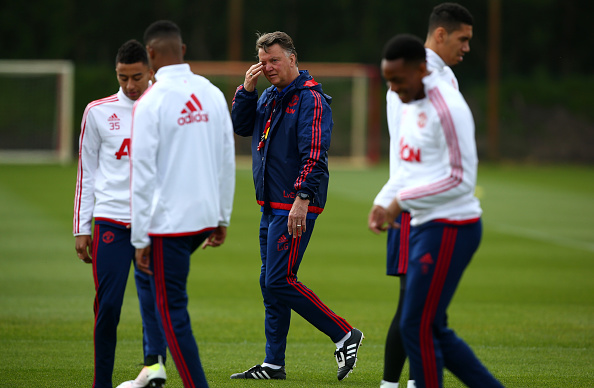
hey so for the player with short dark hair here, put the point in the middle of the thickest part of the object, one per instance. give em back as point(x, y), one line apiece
point(449, 16)
point(435, 182)
point(182, 184)
point(447, 41)
point(103, 193)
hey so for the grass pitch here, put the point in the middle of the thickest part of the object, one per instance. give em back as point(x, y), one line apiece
point(525, 304)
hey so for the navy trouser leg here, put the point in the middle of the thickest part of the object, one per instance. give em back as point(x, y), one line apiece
point(153, 339)
point(171, 265)
point(281, 257)
point(112, 253)
point(438, 257)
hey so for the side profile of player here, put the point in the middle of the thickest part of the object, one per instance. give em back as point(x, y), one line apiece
point(437, 178)
point(103, 193)
point(448, 40)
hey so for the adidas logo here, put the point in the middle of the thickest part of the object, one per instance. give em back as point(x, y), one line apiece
point(282, 243)
point(426, 259)
point(113, 117)
point(261, 375)
point(351, 351)
point(192, 112)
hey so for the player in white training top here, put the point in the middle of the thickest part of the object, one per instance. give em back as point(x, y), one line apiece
point(448, 36)
point(436, 178)
point(183, 181)
point(103, 193)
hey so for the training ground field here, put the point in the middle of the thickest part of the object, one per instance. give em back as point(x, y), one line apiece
point(525, 304)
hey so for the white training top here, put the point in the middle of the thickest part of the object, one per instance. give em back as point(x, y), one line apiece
point(435, 65)
point(436, 176)
point(103, 178)
point(183, 157)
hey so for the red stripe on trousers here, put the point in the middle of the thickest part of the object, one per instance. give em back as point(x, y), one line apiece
point(161, 291)
point(96, 302)
point(426, 333)
point(404, 237)
point(309, 294)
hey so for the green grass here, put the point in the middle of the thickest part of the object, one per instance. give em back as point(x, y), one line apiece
point(525, 304)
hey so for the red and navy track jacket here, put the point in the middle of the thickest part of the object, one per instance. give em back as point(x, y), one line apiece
point(294, 157)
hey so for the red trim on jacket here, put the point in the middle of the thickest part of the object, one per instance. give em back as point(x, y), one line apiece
point(457, 222)
point(316, 140)
point(79, 175)
point(288, 206)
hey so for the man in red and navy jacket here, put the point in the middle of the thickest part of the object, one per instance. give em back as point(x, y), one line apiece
point(290, 125)
point(292, 157)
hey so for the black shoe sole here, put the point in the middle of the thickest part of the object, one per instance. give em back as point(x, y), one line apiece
point(156, 383)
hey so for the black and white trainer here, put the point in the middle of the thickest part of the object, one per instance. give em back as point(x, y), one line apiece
point(346, 357)
point(260, 372)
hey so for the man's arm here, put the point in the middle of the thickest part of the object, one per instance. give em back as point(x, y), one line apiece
point(226, 164)
point(143, 166)
point(84, 198)
point(313, 140)
point(313, 137)
point(244, 111)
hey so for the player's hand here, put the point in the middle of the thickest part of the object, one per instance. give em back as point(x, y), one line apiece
point(296, 223)
point(83, 245)
point(251, 77)
point(380, 220)
point(394, 211)
point(143, 260)
point(217, 237)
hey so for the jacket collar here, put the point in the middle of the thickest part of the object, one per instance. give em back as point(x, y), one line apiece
point(172, 71)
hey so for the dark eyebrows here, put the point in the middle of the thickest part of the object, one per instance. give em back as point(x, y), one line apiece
point(133, 75)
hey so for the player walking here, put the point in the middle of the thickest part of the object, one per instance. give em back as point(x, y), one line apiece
point(183, 181)
point(448, 37)
point(290, 125)
point(436, 177)
point(103, 192)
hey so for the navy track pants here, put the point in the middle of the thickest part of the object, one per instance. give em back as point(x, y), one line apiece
point(439, 254)
point(170, 263)
point(112, 256)
point(281, 256)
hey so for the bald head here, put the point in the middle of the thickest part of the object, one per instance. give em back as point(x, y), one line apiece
point(164, 44)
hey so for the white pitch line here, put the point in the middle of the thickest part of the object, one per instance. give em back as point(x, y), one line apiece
point(542, 236)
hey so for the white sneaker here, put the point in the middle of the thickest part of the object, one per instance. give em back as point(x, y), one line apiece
point(152, 376)
point(411, 384)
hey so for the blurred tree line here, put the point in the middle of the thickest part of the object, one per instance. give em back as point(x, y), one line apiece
point(546, 57)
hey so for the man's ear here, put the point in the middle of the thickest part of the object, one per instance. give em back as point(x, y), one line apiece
point(440, 34)
point(183, 48)
point(150, 52)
